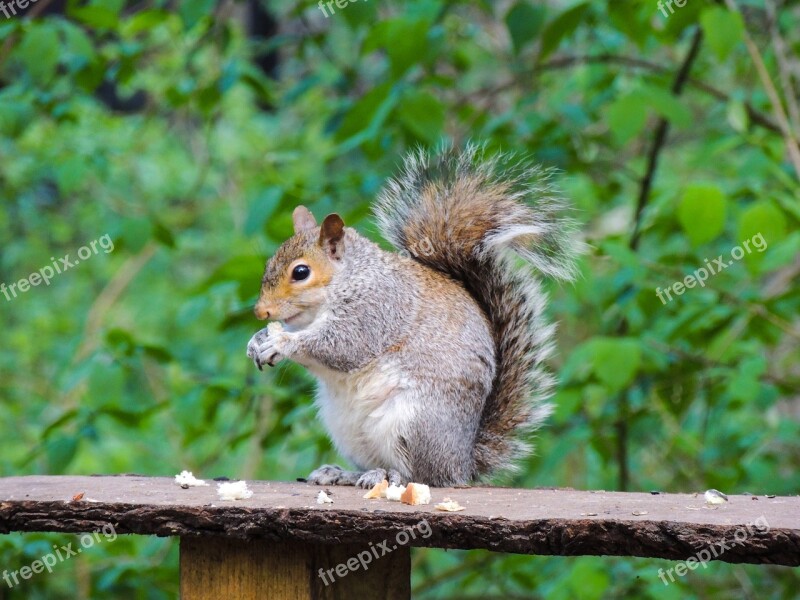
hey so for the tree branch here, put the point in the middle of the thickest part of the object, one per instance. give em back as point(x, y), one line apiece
point(792, 146)
point(560, 62)
point(661, 137)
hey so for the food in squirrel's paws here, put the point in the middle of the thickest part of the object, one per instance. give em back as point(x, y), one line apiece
point(378, 490)
point(416, 493)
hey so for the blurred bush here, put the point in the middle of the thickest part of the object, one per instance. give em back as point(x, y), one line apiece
point(188, 130)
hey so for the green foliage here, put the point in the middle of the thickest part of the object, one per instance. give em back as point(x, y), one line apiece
point(702, 212)
point(723, 30)
point(133, 361)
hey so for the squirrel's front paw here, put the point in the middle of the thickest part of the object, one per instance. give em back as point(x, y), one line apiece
point(265, 346)
point(369, 479)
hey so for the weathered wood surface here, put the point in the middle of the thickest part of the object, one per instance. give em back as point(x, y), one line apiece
point(551, 522)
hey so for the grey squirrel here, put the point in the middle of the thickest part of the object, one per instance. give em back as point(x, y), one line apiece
point(430, 361)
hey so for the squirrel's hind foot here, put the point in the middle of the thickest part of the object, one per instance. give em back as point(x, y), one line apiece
point(333, 475)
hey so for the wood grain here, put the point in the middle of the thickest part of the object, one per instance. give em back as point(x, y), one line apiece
point(215, 568)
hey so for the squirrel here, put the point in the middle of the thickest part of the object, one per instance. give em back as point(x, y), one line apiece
point(429, 361)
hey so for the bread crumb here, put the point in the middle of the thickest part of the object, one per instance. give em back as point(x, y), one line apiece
point(234, 490)
point(377, 491)
point(185, 479)
point(323, 498)
point(394, 492)
point(416, 493)
point(448, 505)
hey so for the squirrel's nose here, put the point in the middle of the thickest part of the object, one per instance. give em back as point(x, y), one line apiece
point(262, 312)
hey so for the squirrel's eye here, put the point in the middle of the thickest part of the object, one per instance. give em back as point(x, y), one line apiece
point(300, 272)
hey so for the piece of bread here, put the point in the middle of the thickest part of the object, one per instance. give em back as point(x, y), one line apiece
point(395, 492)
point(416, 493)
point(377, 491)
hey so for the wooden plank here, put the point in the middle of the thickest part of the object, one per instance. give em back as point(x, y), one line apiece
point(751, 529)
point(214, 568)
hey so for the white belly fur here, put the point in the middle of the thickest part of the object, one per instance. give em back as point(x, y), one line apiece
point(366, 413)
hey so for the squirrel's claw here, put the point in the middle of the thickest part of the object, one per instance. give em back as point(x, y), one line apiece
point(261, 349)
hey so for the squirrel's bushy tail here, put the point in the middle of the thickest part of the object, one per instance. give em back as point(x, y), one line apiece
point(461, 213)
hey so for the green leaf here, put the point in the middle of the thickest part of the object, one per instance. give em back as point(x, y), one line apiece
point(246, 270)
point(423, 115)
point(737, 116)
point(369, 111)
point(405, 42)
point(135, 233)
point(96, 17)
point(144, 20)
point(762, 218)
point(567, 403)
point(524, 22)
point(666, 104)
point(60, 452)
point(626, 117)
point(722, 29)
point(615, 361)
point(701, 212)
point(77, 50)
point(39, 51)
point(71, 174)
point(261, 208)
point(193, 11)
point(745, 384)
point(561, 27)
point(589, 579)
point(162, 233)
point(360, 13)
point(781, 255)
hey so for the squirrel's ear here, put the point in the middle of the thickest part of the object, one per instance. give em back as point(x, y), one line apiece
point(303, 219)
point(331, 236)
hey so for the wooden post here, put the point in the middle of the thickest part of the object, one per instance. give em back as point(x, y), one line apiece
point(216, 568)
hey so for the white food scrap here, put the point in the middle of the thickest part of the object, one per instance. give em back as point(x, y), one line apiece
point(394, 492)
point(323, 498)
point(186, 479)
point(234, 490)
point(448, 505)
